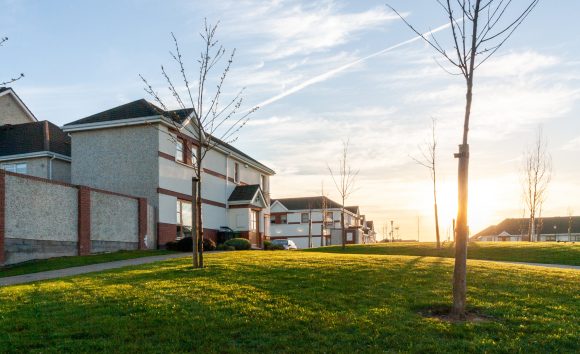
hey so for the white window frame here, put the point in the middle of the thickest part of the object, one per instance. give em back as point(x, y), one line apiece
point(180, 150)
point(302, 218)
point(18, 167)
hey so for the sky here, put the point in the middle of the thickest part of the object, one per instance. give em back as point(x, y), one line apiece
point(303, 59)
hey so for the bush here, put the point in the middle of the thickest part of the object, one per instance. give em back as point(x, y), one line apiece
point(223, 247)
point(272, 247)
point(230, 248)
point(239, 243)
point(208, 245)
point(186, 245)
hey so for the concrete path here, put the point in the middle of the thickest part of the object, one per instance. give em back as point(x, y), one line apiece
point(559, 266)
point(59, 273)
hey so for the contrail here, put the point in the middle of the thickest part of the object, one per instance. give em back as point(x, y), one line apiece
point(331, 73)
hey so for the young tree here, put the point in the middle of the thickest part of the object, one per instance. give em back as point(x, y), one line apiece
point(323, 208)
point(310, 225)
point(537, 172)
point(210, 121)
point(428, 159)
point(9, 81)
point(344, 179)
point(479, 28)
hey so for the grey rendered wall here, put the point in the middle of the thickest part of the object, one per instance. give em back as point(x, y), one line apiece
point(61, 170)
point(41, 219)
point(114, 223)
point(122, 160)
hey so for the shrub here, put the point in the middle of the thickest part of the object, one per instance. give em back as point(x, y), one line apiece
point(230, 248)
point(267, 245)
point(186, 245)
point(171, 246)
point(208, 245)
point(239, 243)
point(276, 247)
point(272, 246)
point(221, 247)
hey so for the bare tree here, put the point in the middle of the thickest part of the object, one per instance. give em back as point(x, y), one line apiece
point(8, 82)
point(428, 159)
point(323, 209)
point(309, 224)
point(344, 179)
point(479, 28)
point(209, 120)
point(570, 215)
point(537, 172)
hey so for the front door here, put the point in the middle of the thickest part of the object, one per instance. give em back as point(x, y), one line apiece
point(255, 228)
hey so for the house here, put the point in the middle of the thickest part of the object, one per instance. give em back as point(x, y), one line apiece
point(292, 218)
point(28, 146)
point(558, 228)
point(369, 233)
point(140, 149)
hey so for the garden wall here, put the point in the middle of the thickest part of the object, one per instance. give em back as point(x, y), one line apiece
point(41, 218)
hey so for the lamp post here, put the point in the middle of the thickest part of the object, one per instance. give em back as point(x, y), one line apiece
point(555, 238)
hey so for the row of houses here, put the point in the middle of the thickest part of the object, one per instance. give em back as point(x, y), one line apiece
point(556, 228)
point(137, 150)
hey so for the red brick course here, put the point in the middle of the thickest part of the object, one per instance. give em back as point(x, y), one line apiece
point(84, 219)
point(165, 233)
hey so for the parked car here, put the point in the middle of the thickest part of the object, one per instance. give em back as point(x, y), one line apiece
point(287, 244)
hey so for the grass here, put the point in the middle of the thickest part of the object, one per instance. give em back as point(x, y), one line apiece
point(73, 261)
point(540, 252)
point(263, 301)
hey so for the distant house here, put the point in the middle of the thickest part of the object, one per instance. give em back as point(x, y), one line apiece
point(28, 146)
point(290, 219)
point(138, 149)
point(558, 228)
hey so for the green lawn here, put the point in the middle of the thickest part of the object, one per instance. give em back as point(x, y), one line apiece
point(73, 261)
point(540, 252)
point(263, 301)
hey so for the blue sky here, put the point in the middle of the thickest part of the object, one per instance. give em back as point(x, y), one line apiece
point(83, 57)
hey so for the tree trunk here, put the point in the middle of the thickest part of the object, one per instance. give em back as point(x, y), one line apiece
point(460, 270)
point(322, 232)
point(343, 233)
point(436, 213)
point(194, 222)
point(310, 229)
point(199, 224)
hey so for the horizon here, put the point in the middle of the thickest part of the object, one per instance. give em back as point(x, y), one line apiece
point(323, 87)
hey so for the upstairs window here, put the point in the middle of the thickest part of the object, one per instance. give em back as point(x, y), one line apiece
point(193, 155)
point(272, 219)
point(15, 167)
point(328, 218)
point(236, 172)
point(283, 219)
point(179, 149)
point(304, 218)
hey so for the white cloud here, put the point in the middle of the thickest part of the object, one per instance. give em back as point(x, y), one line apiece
point(572, 145)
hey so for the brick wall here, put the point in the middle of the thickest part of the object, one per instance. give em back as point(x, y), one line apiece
point(41, 218)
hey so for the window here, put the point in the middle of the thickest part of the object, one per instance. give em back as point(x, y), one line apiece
point(283, 219)
point(184, 219)
point(304, 218)
point(179, 148)
point(236, 172)
point(253, 220)
point(15, 167)
point(328, 218)
point(193, 154)
point(272, 219)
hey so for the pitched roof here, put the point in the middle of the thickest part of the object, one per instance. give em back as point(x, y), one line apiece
point(2, 89)
point(519, 226)
point(353, 209)
point(33, 137)
point(9, 90)
point(304, 203)
point(136, 109)
point(244, 193)
point(143, 108)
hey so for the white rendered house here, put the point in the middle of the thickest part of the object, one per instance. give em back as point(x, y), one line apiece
point(294, 218)
point(138, 149)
